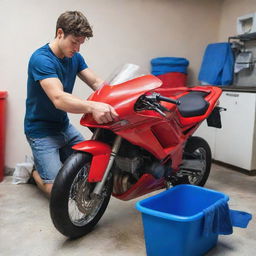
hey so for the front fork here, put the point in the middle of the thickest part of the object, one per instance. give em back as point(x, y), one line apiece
point(100, 185)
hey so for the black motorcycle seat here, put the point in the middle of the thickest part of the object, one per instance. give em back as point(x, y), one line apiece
point(193, 104)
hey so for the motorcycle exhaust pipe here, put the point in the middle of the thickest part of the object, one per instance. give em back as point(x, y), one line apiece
point(100, 185)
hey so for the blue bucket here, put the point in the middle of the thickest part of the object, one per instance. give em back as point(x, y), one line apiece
point(173, 221)
point(163, 65)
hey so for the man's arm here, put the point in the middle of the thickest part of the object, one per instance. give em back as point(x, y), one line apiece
point(102, 113)
point(90, 78)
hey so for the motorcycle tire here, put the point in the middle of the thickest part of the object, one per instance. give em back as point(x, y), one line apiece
point(73, 211)
point(197, 145)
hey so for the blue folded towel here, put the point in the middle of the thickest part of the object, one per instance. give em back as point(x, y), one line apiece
point(217, 65)
point(219, 219)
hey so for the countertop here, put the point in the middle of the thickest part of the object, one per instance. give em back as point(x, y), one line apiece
point(236, 88)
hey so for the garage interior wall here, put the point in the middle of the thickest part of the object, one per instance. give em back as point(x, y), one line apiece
point(231, 9)
point(124, 32)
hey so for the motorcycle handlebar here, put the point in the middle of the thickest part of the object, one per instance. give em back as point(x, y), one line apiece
point(162, 98)
point(152, 102)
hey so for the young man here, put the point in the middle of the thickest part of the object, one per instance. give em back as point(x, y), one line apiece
point(52, 72)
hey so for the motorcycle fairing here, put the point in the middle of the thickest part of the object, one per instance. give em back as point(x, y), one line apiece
point(146, 184)
point(100, 157)
point(157, 134)
point(121, 97)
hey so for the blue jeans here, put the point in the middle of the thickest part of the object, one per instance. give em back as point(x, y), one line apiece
point(50, 152)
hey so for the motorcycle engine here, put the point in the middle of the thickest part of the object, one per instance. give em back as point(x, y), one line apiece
point(131, 163)
point(128, 164)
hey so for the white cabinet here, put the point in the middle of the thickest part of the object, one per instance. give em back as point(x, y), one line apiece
point(235, 142)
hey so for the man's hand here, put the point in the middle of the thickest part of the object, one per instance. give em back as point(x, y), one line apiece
point(102, 112)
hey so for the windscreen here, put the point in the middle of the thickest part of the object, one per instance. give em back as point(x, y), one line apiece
point(125, 73)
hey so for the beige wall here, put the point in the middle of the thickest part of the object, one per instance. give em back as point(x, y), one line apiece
point(131, 31)
point(232, 9)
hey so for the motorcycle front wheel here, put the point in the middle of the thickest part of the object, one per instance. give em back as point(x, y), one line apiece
point(74, 211)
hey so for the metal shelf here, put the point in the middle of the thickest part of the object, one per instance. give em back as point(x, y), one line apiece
point(245, 37)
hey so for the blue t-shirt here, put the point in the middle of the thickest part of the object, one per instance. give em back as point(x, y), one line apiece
point(42, 118)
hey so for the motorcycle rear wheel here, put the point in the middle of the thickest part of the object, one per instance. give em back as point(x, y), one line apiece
point(73, 211)
point(199, 148)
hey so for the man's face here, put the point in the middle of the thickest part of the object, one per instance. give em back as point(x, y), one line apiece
point(70, 44)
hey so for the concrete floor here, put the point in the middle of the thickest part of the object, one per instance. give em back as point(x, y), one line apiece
point(26, 227)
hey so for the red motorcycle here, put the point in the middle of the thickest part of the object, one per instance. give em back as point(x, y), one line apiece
point(150, 147)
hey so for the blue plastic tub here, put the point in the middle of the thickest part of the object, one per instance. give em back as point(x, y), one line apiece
point(173, 221)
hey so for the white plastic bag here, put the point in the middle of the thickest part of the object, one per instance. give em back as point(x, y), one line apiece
point(23, 171)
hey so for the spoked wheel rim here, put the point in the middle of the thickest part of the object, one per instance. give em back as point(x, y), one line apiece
point(82, 207)
point(201, 155)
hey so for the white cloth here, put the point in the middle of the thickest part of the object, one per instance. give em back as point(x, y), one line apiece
point(23, 171)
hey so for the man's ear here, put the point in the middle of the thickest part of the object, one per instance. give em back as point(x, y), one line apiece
point(60, 33)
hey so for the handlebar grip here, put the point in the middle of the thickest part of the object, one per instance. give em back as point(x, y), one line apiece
point(162, 98)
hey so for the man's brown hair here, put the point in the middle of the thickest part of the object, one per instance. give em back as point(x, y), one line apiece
point(74, 23)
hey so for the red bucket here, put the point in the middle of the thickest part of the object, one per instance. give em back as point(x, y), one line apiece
point(173, 79)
